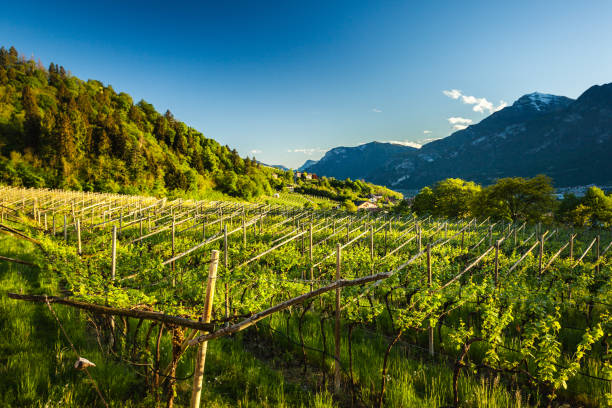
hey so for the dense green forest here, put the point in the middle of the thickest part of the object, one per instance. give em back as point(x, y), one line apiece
point(59, 131)
point(514, 199)
point(345, 191)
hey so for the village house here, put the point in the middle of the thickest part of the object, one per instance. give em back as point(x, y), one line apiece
point(366, 206)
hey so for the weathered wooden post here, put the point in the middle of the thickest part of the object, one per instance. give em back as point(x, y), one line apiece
point(372, 243)
point(419, 234)
point(310, 256)
point(541, 253)
point(65, 229)
point(204, 228)
point(196, 392)
point(225, 269)
point(430, 330)
point(173, 248)
point(114, 253)
point(572, 236)
point(597, 255)
point(120, 222)
point(244, 231)
point(337, 325)
point(497, 262)
point(78, 231)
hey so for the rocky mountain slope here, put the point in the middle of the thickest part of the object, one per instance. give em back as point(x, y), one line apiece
point(568, 140)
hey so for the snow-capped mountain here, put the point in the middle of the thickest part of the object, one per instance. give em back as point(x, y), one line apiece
point(568, 140)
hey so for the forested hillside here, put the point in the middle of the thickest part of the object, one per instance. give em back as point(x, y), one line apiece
point(59, 131)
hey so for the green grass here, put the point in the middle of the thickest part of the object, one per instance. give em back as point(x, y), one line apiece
point(36, 360)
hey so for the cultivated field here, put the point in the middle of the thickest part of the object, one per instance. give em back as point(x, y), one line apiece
point(295, 307)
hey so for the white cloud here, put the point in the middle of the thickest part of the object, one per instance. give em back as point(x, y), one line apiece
point(480, 104)
point(457, 120)
point(308, 152)
point(376, 110)
point(459, 123)
point(453, 93)
point(255, 151)
point(427, 132)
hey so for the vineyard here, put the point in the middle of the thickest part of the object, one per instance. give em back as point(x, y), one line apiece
point(352, 309)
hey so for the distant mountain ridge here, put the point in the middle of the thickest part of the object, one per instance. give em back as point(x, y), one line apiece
point(568, 140)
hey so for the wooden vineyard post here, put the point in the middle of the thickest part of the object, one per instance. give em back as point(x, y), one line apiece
point(372, 244)
point(204, 228)
point(430, 330)
point(78, 231)
point(310, 258)
point(462, 238)
point(173, 248)
point(497, 262)
point(244, 231)
point(337, 325)
point(46, 227)
point(514, 236)
point(198, 376)
point(53, 223)
point(120, 222)
point(114, 253)
point(225, 270)
point(65, 229)
point(571, 249)
point(490, 235)
point(597, 255)
point(419, 233)
point(541, 253)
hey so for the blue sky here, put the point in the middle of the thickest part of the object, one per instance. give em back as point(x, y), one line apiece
point(287, 80)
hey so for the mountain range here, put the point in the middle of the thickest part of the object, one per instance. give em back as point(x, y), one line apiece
point(566, 139)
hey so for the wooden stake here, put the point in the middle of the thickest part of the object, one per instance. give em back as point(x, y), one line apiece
point(497, 262)
point(196, 392)
point(78, 230)
point(372, 244)
point(541, 253)
point(173, 248)
point(337, 325)
point(429, 283)
point(65, 229)
point(114, 253)
point(597, 254)
point(572, 247)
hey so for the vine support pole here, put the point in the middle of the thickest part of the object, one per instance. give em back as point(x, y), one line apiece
point(78, 230)
point(571, 249)
point(114, 253)
point(337, 325)
point(225, 270)
point(430, 331)
point(541, 253)
point(65, 229)
point(497, 263)
point(597, 255)
point(198, 377)
point(310, 257)
point(173, 248)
